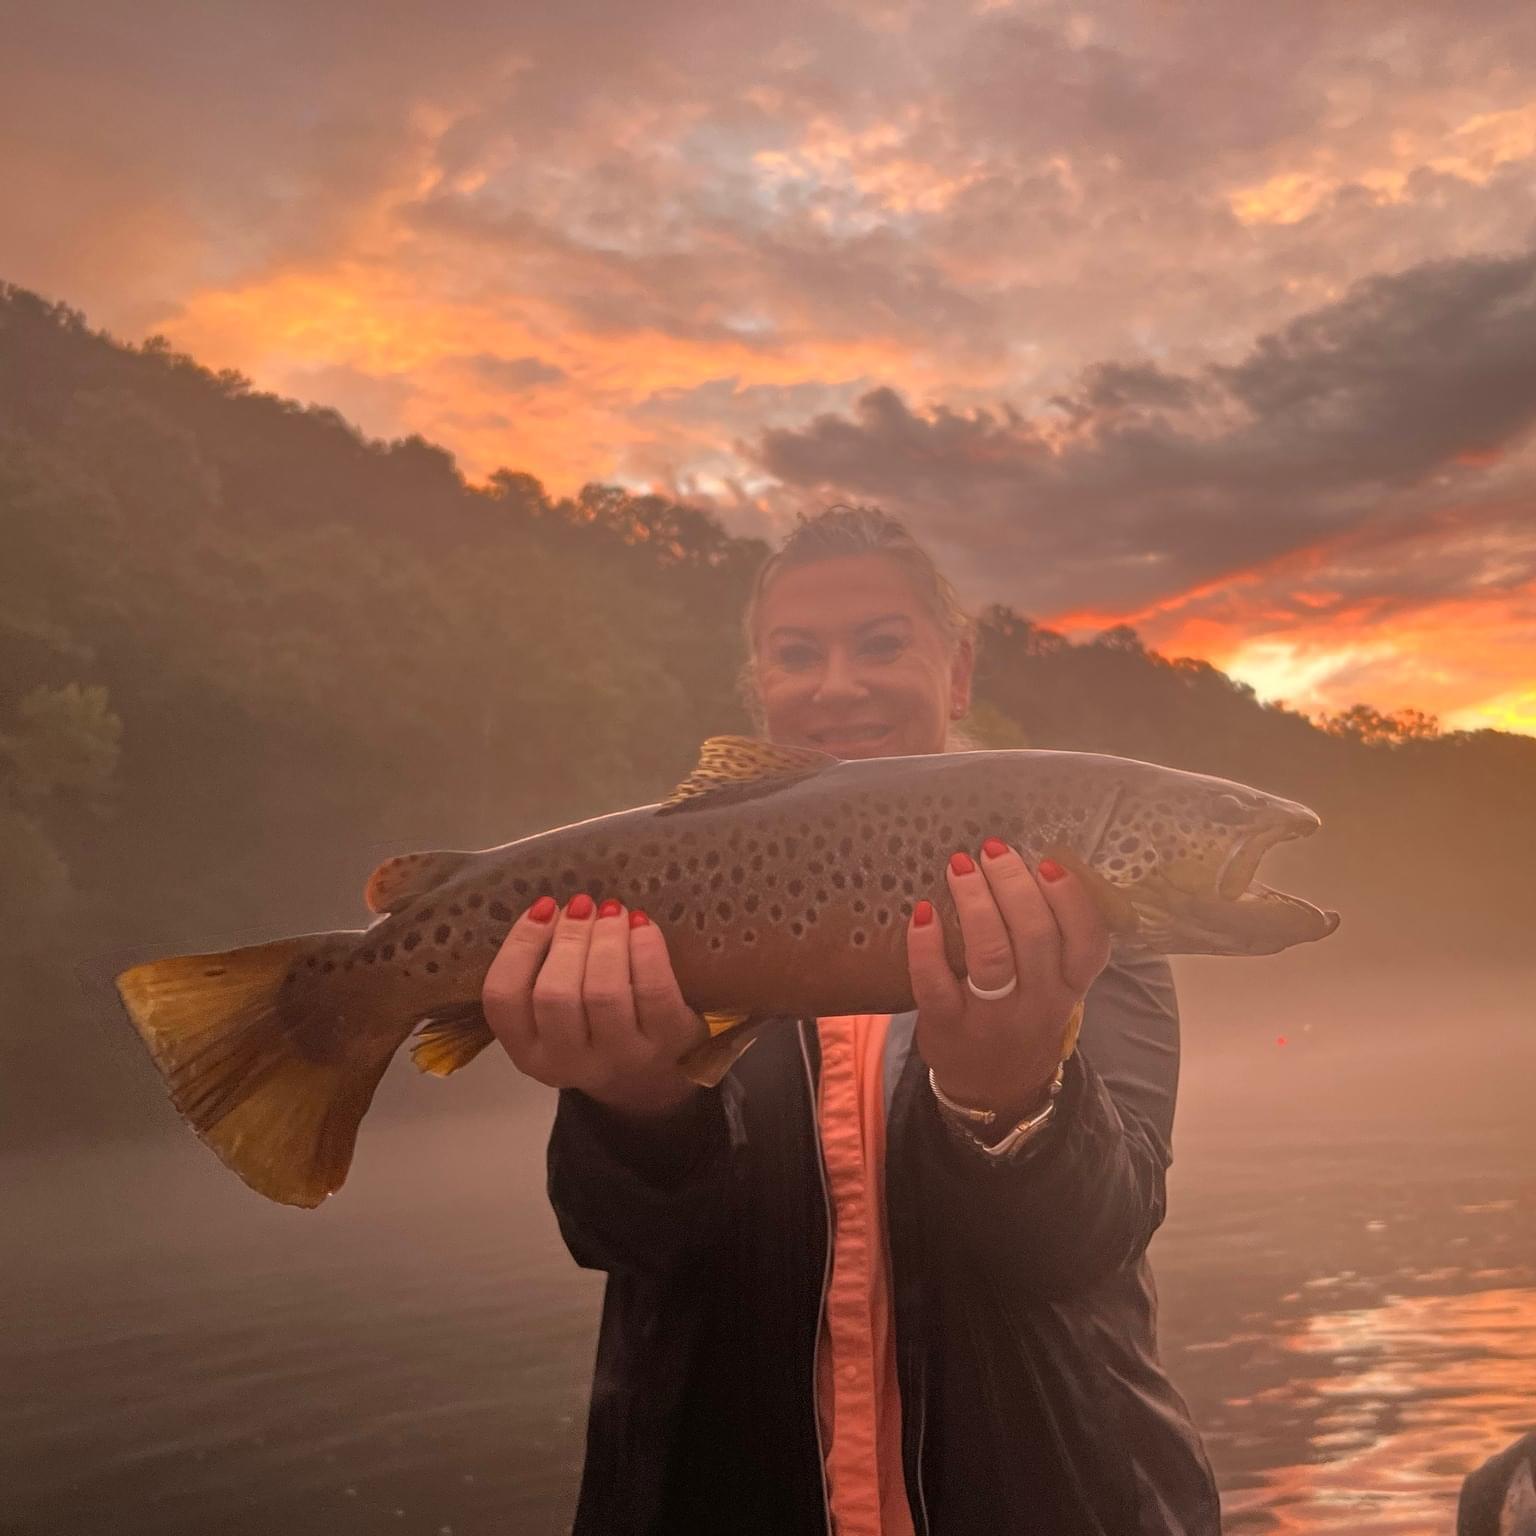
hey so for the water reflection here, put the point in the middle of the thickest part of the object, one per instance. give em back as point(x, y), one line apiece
point(1404, 1400)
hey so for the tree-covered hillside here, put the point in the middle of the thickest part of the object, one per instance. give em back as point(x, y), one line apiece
point(245, 653)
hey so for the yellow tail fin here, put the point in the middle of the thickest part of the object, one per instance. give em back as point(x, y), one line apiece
point(222, 1030)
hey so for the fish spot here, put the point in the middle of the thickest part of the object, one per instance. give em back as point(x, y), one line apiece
point(699, 920)
point(797, 928)
point(717, 943)
point(823, 895)
point(883, 916)
point(432, 967)
point(675, 914)
point(887, 882)
point(909, 886)
point(845, 846)
point(861, 905)
point(723, 911)
point(711, 859)
point(217, 970)
point(312, 962)
point(453, 954)
point(652, 884)
point(693, 864)
point(567, 877)
point(455, 910)
point(839, 879)
point(441, 934)
point(520, 886)
point(500, 911)
point(738, 874)
point(717, 879)
point(858, 937)
point(815, 867)
point(770, 880)
point(772, 850)
point(330, 965)
point(749, 936)
point(775, 912)
point(810, 914)
point(410, 942)
point(367, 955)
point(425, 915)
point(794, 887)
point(919, 823)
point(818, 842)
point(749, 902)
point(621, 861)
point(674, 871)
point(475, 901)
point(757, 862)
point(388, 952)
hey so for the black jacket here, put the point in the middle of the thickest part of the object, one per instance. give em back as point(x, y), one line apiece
point(1023, 1304)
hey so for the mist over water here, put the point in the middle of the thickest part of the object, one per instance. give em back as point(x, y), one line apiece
point(1347, 1273)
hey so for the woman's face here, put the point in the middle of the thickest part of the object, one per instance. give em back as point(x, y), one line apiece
point(849, 661)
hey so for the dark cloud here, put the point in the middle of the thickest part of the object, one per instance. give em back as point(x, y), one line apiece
point(1142, 482)
point(515, 374)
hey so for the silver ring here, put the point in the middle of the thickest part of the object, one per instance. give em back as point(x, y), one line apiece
point(991, 994)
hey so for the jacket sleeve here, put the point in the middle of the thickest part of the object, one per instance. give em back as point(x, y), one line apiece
point(642, 1200)
point(1085, 1198)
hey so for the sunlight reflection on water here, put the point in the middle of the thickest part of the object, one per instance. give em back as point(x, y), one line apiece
point(1407, 1397)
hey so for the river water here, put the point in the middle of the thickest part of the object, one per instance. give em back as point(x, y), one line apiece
point(1348, 1281)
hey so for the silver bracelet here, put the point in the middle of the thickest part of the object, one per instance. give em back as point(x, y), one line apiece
point(1025, 1131)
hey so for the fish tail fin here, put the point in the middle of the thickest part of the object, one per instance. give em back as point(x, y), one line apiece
point(228, 1035)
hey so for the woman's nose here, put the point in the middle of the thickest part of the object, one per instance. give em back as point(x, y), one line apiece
point(839, 679)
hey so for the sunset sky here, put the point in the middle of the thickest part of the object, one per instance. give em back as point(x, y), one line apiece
point(1219, 320)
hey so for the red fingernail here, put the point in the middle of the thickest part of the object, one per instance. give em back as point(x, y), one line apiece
point(580, 905)
point(638, 919)
point(543, 909)
point(1051, 870)
point(922, 914)
point(609, 908)
point(961, 863)
point(994, 847)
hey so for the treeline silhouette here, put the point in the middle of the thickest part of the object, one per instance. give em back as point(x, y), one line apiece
point(245, 653)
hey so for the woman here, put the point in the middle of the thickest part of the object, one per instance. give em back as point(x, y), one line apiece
point(889, 1276)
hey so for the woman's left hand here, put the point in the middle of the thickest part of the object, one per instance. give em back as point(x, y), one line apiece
point(1002, 1054)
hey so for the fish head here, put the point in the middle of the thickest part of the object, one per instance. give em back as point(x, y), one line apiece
point(1179, 853)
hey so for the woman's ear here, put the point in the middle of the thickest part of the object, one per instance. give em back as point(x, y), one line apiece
point(961, 668)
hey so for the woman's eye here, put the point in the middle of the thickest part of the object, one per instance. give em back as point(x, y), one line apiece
point(883, 647)
point(794, 656)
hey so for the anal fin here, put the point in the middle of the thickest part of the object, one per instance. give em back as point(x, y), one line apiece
point(448, 1041)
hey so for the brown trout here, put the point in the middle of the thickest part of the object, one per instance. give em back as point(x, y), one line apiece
point(782, 879)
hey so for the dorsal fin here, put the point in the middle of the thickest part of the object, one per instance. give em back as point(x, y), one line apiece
point(737, 767)
point(409, 875)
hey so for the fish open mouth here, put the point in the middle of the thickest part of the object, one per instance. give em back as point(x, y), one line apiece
point(1242, 864)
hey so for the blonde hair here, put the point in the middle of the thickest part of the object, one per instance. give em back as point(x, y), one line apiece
point(850, 529)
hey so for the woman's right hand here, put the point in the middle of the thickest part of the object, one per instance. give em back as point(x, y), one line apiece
point(588, 999)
